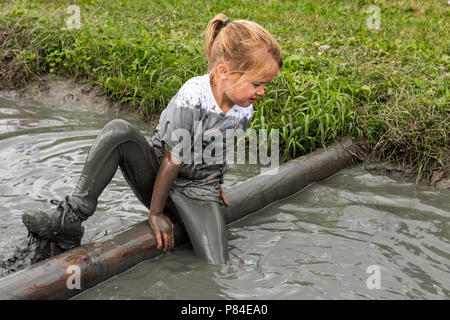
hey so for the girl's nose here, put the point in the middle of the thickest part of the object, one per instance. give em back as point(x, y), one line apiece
point(260, 92)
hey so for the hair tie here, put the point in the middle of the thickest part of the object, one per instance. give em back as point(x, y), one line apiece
point(224, 24)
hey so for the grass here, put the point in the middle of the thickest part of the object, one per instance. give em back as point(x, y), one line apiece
point(340, 78)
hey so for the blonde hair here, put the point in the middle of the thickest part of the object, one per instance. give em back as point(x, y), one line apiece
point(243, 44)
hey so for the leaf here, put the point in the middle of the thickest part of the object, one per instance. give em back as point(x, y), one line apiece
point(365, 88)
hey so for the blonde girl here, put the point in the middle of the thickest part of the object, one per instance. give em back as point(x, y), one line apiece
point(242, 58)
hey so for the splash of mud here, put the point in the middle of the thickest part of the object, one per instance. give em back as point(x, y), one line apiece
point(35, 250)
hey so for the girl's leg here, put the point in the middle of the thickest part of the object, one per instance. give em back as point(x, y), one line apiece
point(118, 145)
point(205, 226)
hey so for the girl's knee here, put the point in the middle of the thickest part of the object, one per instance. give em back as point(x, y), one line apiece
point(119, 127)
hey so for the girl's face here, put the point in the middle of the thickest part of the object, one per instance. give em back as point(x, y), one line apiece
point(243, 90)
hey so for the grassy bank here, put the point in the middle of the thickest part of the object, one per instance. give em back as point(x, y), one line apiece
point(340, 78)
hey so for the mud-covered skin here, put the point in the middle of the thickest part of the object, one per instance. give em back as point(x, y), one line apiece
point(205, 224)
point(121, 145)
point(159, 222)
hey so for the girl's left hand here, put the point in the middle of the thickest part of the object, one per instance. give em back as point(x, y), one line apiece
point(163, 229)
point(223, 196)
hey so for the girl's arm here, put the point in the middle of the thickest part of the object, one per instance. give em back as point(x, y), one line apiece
point(159, 222)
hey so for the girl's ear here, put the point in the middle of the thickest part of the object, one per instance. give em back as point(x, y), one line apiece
point(222, 69)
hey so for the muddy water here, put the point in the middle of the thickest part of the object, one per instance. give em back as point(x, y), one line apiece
point(317, 244)
point(42, 152)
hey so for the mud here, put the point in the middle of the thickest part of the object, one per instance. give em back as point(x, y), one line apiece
point(320, 243)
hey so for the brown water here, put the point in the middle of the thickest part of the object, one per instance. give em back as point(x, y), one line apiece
point(316, 244)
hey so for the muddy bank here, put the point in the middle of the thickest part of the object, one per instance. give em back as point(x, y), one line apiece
point(439, 177)
point(62, 93)
point(56, 91)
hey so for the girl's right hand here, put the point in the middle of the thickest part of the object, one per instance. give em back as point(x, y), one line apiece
point(163, 229)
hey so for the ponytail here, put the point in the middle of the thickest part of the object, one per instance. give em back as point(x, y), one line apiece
point(212, 30)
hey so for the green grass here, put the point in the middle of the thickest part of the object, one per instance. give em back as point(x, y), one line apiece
point(387, 86)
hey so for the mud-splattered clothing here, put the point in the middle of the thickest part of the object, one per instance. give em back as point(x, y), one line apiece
point(195, 110)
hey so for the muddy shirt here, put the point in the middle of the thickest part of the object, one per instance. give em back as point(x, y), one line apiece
point(194, 112)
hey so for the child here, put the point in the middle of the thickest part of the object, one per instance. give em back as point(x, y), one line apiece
point(242, 58)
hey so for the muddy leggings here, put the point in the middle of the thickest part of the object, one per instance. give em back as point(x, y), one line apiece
point(119, 144)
